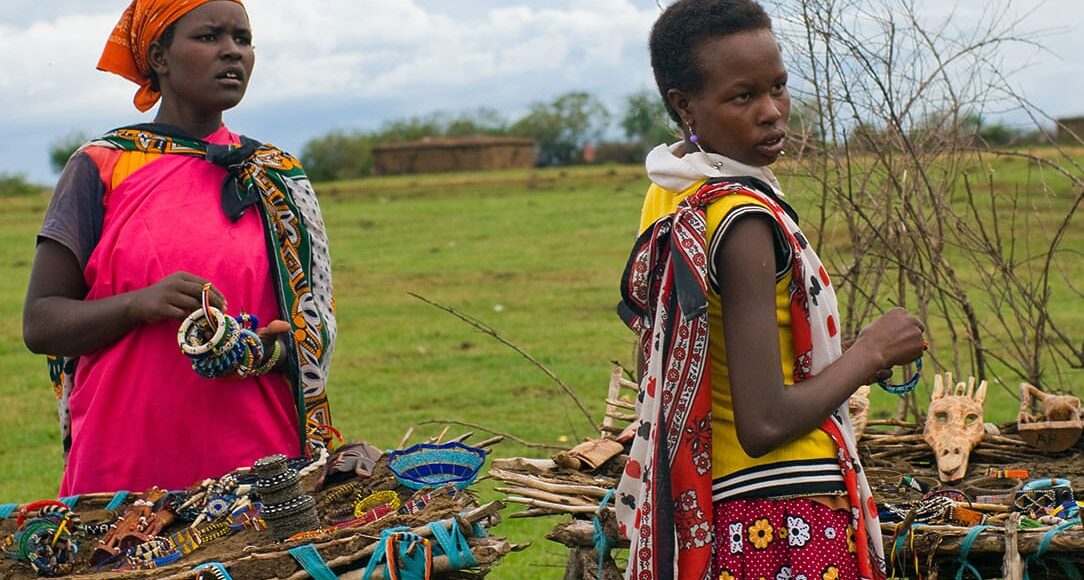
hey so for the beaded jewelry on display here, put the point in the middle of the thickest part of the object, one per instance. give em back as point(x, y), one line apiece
point(219, 345)
point(46, 542)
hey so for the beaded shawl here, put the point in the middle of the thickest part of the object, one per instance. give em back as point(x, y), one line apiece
point(274, 181)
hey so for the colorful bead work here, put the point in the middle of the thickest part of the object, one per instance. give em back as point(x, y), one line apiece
point(219, 345)
point(906, 387)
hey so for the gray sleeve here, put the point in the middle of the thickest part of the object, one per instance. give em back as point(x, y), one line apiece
point(75, 212)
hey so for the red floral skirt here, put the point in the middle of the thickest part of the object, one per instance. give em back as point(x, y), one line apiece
point(783, 539)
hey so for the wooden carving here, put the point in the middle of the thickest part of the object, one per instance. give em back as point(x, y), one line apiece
point(858, 405)
point(954, 424)
point(1050, 423)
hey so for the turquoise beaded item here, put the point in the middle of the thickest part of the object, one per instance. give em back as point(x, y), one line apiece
point(906, 387)
point(437, 464)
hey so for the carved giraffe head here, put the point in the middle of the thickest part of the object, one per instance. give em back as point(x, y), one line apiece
point(954, 424)
point(858, 405)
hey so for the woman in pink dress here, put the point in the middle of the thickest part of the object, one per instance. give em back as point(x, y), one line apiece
point(147, 219)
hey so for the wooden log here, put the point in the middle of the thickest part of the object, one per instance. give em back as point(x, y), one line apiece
point(893, 422)
point(276, 551)
point(572, 509)
point(1011, 565)
point(546, 485)
point(579, 534)
point(463, 437)
point(587, 565)
point(491, 441)
point(533, 513)
point(574, 567)
point(524, 464)
point(611, 393)
point(484, 555)
point(950, 538)
point(896, 438)
point(406, 437)
point(545, 496)
point(471, 516)
point(621, 404)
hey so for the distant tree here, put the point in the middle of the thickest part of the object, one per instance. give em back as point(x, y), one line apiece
point(62, 148)
point(646, 121)
point(16, 184)
point(338, 155)
point(482, 121)
point(561, 128)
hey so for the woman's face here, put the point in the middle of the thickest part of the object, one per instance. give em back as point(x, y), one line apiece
point(206, 68)
point(742, 109)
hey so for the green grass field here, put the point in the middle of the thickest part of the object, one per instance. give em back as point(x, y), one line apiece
point(535, 254)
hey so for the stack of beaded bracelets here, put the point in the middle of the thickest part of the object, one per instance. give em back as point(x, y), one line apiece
point(218, 344)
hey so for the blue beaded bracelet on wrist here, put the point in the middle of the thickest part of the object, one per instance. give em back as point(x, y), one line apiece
point(905, 387)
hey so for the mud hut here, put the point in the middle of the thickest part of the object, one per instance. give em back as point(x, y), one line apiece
point(1070, 129)
point(434, 155)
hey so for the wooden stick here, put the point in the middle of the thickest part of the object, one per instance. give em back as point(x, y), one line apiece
point(572, 509)
point(612, 393)
point(621, 404)
point(483, 555)
point(1011, 566)
point(891, 422)
point(579, 534)
point(406, 437)
point(491, 441)
point(993, 542)
point(533, 513)
point(538, 483)
point(487, 430)
point(487, 329)
point(546, 496)
point(620, 416)
point(462, 437)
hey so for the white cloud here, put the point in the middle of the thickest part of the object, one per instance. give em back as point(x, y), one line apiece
point(348, 63)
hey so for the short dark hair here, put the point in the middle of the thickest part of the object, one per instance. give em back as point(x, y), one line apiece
point(682, 29)
point(165, 39)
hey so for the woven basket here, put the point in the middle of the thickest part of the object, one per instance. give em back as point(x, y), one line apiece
point(437, 464)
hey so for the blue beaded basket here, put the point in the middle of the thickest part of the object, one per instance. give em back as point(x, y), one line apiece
point(436, 464)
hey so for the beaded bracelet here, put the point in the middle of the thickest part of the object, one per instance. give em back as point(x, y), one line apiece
point(219, 345)
point(905, 387)
point(269, 363)
point(908, 386)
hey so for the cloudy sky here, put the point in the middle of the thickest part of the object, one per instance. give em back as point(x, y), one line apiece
point(348, 64)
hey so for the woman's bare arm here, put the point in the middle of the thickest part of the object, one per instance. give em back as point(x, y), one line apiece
point(766, 413)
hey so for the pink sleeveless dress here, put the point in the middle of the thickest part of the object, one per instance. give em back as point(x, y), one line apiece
point(140, 415)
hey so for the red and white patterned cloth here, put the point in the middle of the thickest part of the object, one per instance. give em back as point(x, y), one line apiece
point(664, 498)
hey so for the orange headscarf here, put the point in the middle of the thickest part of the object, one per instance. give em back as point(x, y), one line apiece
point(126, 50)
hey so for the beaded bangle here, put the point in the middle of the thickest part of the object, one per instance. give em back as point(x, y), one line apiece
point(218, 345)
point(270, 361)
point(376, 499)
point(905, 387)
